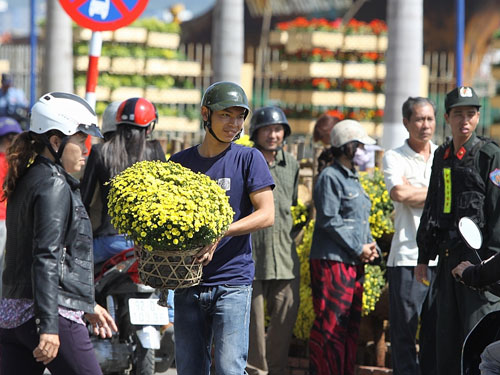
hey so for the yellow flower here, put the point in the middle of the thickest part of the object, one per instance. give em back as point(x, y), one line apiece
point(306, 316)
point(382, 207)
point(165, 206)
point(245, 141)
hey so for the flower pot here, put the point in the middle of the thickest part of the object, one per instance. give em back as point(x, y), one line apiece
point(80, 34)
point(102, 93)
point(169, 269)
point(123, 93)
point(82, 63)
point(130, 35)
point(157, 66)
point(277, 37)
point(173, 95)
point(163, 40)
point(322, 98)
point(360, 42)
point(307, 40)
point(360, 99)
point(127, 65)
point(177, 124)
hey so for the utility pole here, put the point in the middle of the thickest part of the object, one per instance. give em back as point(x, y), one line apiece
point(228, 40)
point(58, 61)
point(403, 63)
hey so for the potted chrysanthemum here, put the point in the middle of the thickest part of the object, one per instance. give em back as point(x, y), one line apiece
point(170, 212)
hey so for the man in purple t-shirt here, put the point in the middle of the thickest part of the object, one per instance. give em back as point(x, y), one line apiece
point(218, 309)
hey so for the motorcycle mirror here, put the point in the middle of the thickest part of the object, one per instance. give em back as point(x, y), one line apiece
point(470, 233)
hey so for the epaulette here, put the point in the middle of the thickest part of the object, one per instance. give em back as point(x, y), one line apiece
point(490, 147)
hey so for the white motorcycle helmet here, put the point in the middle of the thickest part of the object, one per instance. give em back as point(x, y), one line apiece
point(109, 117)
point(65, 112)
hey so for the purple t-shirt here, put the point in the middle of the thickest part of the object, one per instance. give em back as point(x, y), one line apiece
point(240, 171)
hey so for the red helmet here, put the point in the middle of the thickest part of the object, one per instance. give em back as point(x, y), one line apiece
point(138, 112)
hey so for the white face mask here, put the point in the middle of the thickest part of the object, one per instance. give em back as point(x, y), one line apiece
point(361, 157)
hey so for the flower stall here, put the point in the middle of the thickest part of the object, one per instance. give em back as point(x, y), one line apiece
point(143, 60)
point(324, 65)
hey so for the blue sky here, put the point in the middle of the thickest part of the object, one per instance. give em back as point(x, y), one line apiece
point(16, 18)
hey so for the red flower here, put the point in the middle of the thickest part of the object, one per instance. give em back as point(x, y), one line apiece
point(283, 26)
point(300, 22)
point(367, 86)
point(322, 84)
point(352, 116)
point(357, 84)
point(336, 24)
point(378, 26)
point(335, 113)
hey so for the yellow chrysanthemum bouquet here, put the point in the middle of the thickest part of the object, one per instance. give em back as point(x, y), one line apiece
point(381, 224)
point(170, 213)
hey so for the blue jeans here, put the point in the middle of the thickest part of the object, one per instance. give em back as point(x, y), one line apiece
point(212, 313)
point(107, 246)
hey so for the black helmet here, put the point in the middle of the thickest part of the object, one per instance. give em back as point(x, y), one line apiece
point(268, 116)
point(222, 95)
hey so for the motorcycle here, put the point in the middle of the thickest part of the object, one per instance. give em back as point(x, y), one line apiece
point(487, 330)
point(137, 314)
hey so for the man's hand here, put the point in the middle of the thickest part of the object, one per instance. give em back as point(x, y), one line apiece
point(47, 348)
point(205, 255)
point(102, 323)
point(421, 274)
point(459, 270)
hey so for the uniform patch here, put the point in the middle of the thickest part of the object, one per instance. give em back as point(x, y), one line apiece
point(495, 177)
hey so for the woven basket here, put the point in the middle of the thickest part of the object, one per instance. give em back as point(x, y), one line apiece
point(169, 269)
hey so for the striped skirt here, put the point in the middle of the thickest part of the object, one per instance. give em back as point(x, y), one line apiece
point(337, 291)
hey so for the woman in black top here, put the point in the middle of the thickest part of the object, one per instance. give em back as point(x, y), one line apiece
point(135, 120)
point(48, 277)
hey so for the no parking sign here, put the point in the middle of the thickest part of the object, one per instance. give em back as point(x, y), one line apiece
point(100, 15)
point(103, 15)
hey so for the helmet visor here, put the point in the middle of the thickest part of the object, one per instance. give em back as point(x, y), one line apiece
point(91, 129)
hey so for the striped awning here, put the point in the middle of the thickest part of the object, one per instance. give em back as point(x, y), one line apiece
point(286, 7)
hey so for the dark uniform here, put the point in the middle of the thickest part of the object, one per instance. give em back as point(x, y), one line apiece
point(464, 182)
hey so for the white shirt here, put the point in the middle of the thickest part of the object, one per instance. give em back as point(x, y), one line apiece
point(398, 163)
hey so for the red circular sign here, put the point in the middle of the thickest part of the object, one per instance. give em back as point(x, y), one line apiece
point(103, 15)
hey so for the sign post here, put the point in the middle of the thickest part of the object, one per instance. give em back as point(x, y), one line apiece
point(100, 15)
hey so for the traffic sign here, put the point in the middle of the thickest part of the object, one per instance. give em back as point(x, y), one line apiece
point(103, 15)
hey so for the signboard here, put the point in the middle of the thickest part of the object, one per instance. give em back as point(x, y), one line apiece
point(103, 15)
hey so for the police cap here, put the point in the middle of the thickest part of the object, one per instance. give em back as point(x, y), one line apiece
point(461, 97)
